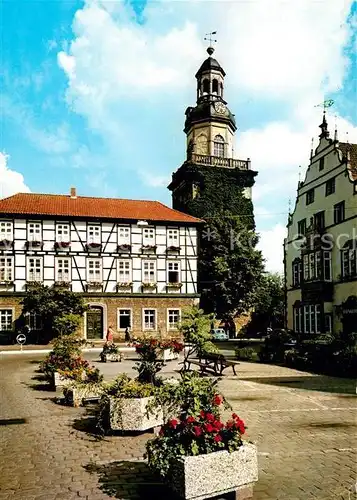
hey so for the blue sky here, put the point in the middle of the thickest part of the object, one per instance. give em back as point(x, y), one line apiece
point(93, 93)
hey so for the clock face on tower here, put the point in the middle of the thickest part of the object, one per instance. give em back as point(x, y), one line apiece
point(220, 108)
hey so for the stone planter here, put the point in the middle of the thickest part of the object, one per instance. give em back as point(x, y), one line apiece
point(169, 355)
point(130, 414)
point(60, 381)
point(110, 357)
point(205, 476)
point(76, 395)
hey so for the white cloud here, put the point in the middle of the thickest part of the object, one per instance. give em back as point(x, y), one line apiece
point(11, 182)
point(288, 54)
point(283, 49)
point(153, 180)
point(271, 244)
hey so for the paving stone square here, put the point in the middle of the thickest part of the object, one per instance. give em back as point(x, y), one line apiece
point(303, 424)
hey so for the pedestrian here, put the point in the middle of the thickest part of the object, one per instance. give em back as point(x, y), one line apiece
point(127, 334)
point(110, 334)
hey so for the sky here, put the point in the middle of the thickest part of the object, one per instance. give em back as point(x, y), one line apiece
point(93, 93)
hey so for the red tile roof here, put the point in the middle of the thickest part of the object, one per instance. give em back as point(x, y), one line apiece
point(352, 148)
point(88, 207)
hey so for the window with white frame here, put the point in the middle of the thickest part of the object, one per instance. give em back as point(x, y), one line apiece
point(173, 272)
point(296, 272)
point(149, 319)
point(6, 269)
point(93, 234)
point(173, 238)
point(34, 231)
point(6, 320)
point(328, 323)
point(124, 318)
point(218, 146)
point(34, 321)
point(349, 262)
point(124, 271)
point(6, 232)
point(148, 236)
point(149, 271)
point(94, 270)
point(123, 235)
point(312, 318)
point(62, 233)
point(318, 266)
point(34, 269)
point(173, 318)
point(63, 269)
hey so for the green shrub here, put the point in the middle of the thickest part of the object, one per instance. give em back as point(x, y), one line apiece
point(245, 353)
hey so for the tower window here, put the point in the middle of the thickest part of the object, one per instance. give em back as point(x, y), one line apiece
point(218, 146)
point(215, 86)
point(205, 86)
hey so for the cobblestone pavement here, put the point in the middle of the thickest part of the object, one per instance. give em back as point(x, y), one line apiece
point(304, 426)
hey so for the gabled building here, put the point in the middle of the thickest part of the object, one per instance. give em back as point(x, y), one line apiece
point(134, 262)
point(321, 246)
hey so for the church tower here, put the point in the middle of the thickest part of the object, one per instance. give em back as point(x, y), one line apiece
point(209, 127)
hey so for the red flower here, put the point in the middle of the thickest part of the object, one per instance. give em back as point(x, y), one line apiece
point(218, 425)
point(197, 430)
point(229, 424)
point(217, 438)
point(202, 414)
point(210, 417)
point(209, 428)
point(217, 400)
point(234, 415)
point(173, 423)
point(190, 420)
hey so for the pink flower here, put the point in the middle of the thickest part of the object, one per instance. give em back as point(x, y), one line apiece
point(209, 428)
point(217, 438)
point(190, 420)
point(210, 417)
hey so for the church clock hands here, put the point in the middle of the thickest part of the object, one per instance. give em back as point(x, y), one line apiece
point(220, 108)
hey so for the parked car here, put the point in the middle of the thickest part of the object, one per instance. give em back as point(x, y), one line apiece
point(219, 334)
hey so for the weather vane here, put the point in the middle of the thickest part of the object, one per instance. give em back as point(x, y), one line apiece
point(326, 104)
point(209, 38)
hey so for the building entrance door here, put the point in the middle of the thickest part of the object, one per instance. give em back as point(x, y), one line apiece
point(95, 323)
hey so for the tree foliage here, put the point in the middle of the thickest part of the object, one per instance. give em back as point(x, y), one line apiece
point(269, 304)
point(59, 309)
point(230, 266)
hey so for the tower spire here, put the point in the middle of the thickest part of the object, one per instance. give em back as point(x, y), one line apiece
point(324, 127)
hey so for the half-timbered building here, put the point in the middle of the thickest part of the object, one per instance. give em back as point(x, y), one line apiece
point(134, 262)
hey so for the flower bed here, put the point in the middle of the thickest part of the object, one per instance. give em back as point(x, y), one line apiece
point(110, 352)
point(197, 454)
point(125, 404)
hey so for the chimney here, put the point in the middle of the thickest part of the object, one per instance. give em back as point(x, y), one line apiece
point(73, 192)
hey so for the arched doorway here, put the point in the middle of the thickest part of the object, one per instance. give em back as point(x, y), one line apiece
point(94, 323)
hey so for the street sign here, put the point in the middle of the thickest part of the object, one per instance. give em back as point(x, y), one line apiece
point(21, 339)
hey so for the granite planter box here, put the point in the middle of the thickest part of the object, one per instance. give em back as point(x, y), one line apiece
point(76, 395)
point(110, 357)
point(59, 380)
point(169, 355)
point(205, 476)
point(131, 414)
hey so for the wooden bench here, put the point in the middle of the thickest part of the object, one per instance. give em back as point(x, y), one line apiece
point(215, 363)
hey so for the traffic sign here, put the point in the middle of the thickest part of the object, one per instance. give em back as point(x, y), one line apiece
point(21, 339)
